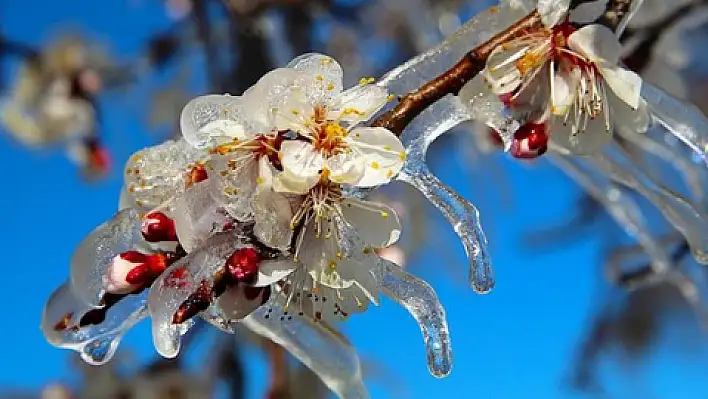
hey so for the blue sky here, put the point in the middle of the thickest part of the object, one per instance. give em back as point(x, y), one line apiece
point(516, 342)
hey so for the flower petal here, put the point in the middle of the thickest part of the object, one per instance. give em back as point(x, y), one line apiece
point(155, 174)
point(377, 224)
point(345, 168)
point(272, 271)
point(382, 151)
point(273, 211)
point(232, 182)
point(197, 216)
point(211, 119)
point(598, 43)
point(268, 93)
point(625, 84)
point(322, 77)
point(302, 164)
point(553, 11)
point(358, 103)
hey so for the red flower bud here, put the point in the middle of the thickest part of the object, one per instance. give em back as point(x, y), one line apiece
point(242, 265)
point(530, 141)
point(158, 227)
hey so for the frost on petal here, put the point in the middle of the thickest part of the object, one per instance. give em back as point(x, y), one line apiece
point(621, 206)
point(65, 324)
point(382, 151)
point(553, 11)
point(302, 165)
point(463, 217)
point(197, 216)
point(421, 301)
point(91, 259)
point(316, 345)
point(358, 103)
point(273, 211)
point(625, 84)
point(321, 77)
point(155, 174)
point(232, 182)
point(377, 224)
point(269, 93)
point(180, 281)
point(212, 119)
point(272, 271)
point(688, 219)
point(235, 304)
point(598, 43)
point(345, 168)
point(292, 112)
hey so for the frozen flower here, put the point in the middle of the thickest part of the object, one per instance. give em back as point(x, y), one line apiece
point(565, 84)
point(310, 102)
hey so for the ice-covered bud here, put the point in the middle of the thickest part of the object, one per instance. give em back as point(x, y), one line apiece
point(157, 227)
point(242, 265)
point(132, 270)
point(530, 141)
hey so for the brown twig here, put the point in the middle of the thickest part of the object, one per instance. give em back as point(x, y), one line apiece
point(452, 80)
point(471, 64)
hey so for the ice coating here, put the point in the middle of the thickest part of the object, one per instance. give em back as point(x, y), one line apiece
point(683, 215)
point(95, 254)
point(421, 301)
point(621, 207)
point(197, 216)
point(95, 343)
point(316, 345)
point(438, 119)
point(464, 218)
point(210, 120)
point(178, 282)
point(156, 174)
point(691, 173)
point(683, 120)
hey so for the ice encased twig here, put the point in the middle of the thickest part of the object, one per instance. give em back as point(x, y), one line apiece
point(438, 119)
point(683, 215)
point(683, 120)
point(314, 344)
point(621, 207)
point(95, 343)
point(421, 301)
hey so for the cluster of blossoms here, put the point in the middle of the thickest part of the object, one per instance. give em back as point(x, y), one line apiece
point(260, 205)
point(259, 213)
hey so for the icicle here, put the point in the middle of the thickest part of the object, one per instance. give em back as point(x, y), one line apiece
point(316, 345)
point(683, 120)
point(623, 209)
point(673, 156)
point(691, 222)
point(463, 217)
point(419, 298)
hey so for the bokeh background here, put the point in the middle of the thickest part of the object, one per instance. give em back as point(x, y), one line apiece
point(522, 340)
